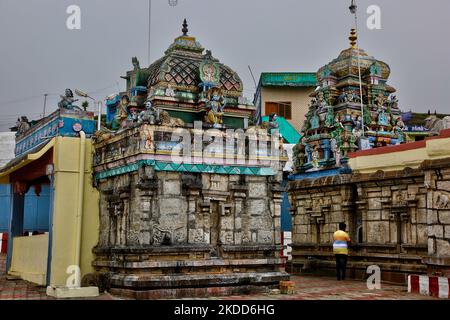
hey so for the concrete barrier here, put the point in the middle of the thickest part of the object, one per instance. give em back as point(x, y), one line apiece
point(429, 286)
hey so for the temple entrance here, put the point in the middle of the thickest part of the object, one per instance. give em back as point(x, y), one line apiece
point(214, 232)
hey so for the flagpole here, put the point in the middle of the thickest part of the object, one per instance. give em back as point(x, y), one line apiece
point(353, 9)
point(149, 28)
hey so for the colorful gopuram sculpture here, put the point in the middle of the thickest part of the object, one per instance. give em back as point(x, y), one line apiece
point(185, 84)
point(389, 197)
point(337, 119)
point(188, 206)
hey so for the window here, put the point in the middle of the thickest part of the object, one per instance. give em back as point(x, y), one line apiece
point(282, 109)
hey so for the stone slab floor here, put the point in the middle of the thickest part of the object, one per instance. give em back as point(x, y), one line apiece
point(307, 288)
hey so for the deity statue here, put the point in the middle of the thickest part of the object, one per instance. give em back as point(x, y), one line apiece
point(22, 125)
point(349, 95)
point(383, 119)
point(273, 124)
point(299, 154)
point(336, 151)
point(136, 64)
point(329, 120)
point(215, 101)
point(356, 98)
point(122, 111)
point(308, 153)
point(321, 99)
point(133, 116)
point(393, 101)
point(398, 130)
point(342, 98)
point(357, 130)
point(314, 120)
point(380, 100)
point(150, 115)
point(315, 158)
point(67, 101)
point(367, 116)
point(170, 92)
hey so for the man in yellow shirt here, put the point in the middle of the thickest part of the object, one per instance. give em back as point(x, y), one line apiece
point(340, 250)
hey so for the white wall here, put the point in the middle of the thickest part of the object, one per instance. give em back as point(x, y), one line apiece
point(7, 145)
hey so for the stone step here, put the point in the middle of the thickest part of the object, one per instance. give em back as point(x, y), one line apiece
point(143, 281)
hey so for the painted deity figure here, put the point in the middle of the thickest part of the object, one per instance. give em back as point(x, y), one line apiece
point(22, 125)
point(299, 154)
point(315, 158)
point(216, 104)
point(329, 119)
point(273, 124)
point(383, 119)
point(314, 121)
point(308, 153)
point(380, 99)
point(357, 130)
point(122, 111)
point(133, 114)
point(393, 101)
point(367, 116)
point(336, 151)
point(322, 101)
point(350, 97)
point(398, 130)
point(170, 92)
point(150, 115)
point(67, 101)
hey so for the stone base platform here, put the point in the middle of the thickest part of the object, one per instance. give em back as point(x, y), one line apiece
point(201, 286)
point(187, 271)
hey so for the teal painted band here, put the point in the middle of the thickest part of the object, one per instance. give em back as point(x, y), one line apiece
point(191, 168)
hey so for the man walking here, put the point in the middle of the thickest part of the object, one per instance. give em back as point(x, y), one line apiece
point(340, 250)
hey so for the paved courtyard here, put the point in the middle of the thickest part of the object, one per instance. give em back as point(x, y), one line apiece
point(307, 288)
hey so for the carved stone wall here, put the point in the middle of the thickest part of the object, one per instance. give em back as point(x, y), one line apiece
point(437, 181)
point(168, 231)
point(153, 208)
point(399, 220)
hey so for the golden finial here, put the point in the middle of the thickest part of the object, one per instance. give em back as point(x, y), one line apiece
point(353, 37)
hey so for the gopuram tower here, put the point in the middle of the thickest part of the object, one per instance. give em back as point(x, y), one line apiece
point(339, 120)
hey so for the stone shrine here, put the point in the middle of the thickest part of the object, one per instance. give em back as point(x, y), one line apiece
point(206, 223)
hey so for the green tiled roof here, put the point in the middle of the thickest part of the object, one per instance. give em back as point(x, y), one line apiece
point(288, 79)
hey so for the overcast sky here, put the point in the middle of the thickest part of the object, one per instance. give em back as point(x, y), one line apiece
point(38, 54)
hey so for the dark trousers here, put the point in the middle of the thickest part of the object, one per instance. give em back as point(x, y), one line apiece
point(341, 266)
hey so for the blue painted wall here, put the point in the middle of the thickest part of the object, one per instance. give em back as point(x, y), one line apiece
point(5, 206)
point(37, 209)
point(286, 218)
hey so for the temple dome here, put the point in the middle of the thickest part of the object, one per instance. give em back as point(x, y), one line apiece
point(179, 68)
point(346, 64)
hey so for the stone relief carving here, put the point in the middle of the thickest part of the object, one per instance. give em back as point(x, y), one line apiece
point(441, 200)
point(147, 138)
point(164, 236)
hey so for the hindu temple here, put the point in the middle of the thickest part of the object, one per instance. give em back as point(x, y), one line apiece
point(353, 166)
point(189, 202)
